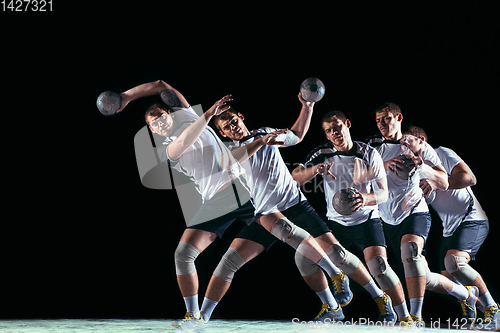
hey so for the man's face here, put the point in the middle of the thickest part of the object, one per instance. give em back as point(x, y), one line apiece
point(387, 123)
point(337, 131)
point(234, 127)
point(161, 125)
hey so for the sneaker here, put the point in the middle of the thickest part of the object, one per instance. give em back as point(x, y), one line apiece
point(469, 306)
point(341, 292)
point(191, 324)
point(406, 322)
point(386, 312)
point(328, 313)
point(418, 322)
point(491, 321)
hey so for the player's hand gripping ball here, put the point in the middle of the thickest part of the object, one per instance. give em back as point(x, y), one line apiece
point(342, 202)
point(312, 89)
point(109, 102)
point(404, 172)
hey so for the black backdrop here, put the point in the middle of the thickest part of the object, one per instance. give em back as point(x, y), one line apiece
point(80, 235)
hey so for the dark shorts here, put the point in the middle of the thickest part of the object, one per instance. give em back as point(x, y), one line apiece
point(301, 214)
point(225, 207)
point(416, 224)
point(361, 236)
point(468, 237)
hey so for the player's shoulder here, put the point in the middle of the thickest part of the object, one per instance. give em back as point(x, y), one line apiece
point(322, 149)
point(374, 140)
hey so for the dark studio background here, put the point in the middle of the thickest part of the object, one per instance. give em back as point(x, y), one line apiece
point(81, 237)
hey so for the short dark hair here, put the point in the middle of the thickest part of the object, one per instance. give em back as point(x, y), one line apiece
point(388, 106)
point(416, 131)
point(334, 113)
point(156, 110)
point(226, 115)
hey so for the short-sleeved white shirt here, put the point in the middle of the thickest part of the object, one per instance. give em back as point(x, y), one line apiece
point(274, 188)
point(347, 168)
point(456, 205)
point(208, 162)
point(405, 196)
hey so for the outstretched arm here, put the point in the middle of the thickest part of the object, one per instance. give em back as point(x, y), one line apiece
point(243, 153)
point(171, 96)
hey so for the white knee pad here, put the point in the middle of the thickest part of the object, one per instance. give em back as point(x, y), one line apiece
point(289, 233)
point(414, 262)
point(305, 265)
point(382, 272)
point(458, 267)
point(231, 261)
point(184, 256)
point(431, 280)
point(342, 258)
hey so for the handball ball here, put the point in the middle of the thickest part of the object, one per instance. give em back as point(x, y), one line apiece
point(342, 202)
point(312, 89)
point(109, 102)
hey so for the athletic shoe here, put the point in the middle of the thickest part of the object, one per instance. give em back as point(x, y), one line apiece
point(328, 313)
point(406, 322)
point(469, 305)
point(341, 292)
point(191, 324)
point(491, 321)
point(386, 312)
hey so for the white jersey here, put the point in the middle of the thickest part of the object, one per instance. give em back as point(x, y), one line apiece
point(208, 162)
point(405, 196)
point(274, 188)
point(457, 205)
point(357, 168)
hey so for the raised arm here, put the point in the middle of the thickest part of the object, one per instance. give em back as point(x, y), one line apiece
point(171, 96)
point(302, 123)
point(193, 131)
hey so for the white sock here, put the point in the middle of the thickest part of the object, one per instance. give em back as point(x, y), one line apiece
point(416, 306)
point(372, 288)
point(207, 308)
point(459, 292)
point(326, 297)
point(328, 266)
point(401, 310)
point(486, 299)
point(192, 305)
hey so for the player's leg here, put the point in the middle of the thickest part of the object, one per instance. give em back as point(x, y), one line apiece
point(415, 267)
point(457, 265)
point(239, 252)
point(191, 244)
point(283, 229)
point(466, 296)
point(469, 236)
point(376, 260)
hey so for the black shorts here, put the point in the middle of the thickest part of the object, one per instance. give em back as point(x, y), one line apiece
point(468, 237)
point(416, 224)
point(301, 214)
point(361, 236)
point(218, 213)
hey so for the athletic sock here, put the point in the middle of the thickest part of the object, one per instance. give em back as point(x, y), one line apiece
point(326, 297)
point(416, 306)
point(459, 292)
point(328, 266)
point(372, 288)
point(192, 305)
point(207, 308)
point(486, 299)
point(401, 310)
